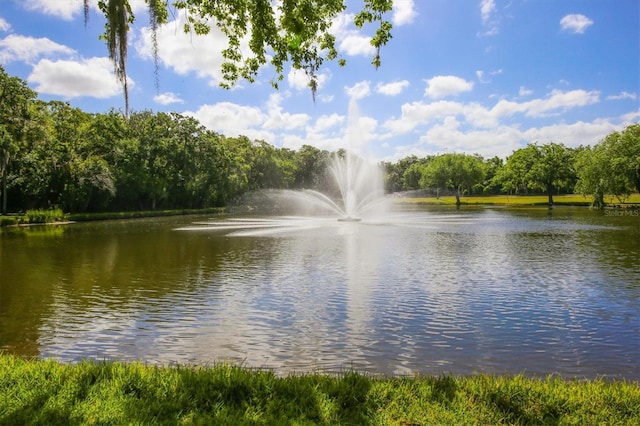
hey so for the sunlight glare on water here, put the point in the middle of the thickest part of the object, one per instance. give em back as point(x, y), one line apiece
point(428, 291)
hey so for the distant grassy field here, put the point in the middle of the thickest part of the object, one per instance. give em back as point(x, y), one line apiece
point(516, 200)
point(47, 392)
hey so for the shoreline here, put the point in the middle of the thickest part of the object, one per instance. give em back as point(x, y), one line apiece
point(537, 201)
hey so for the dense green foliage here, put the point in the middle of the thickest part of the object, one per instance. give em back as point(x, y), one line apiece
point(55, 156)
point(46, 392)
point(611, 166)
point(277, 33)
point(103, 162)
point(15, 99)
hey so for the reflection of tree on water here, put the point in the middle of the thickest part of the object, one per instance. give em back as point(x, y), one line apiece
point(426, 291)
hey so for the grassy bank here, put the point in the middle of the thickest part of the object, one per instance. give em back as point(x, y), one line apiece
point(82, 217)
point(38, 216)
point(53, 216)
point(518, 200)
point(47, 392)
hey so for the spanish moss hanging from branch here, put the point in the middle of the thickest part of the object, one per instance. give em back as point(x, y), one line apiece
point(297, 32)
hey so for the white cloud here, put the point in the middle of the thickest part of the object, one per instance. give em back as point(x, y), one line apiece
point(62, 9)
point(417, 114)
point(487, 8)
point(90, 77)
point(623, 95)
point(4, 25)
point(631, 117)
point(356, 44)
point(450, 135)
point(230, 119)
point(326, 122)
point(446, 85)
point(524, 91)
point(350, 40)
point(167, 98)
point(487, 14)
point(28, 49)
point(186, 53)
point(392, 89)
point(68, 9)
point(570, 134)
point(575, 23)
point(403, 12)
point(480, 74)
point(558, 100)
point(299, 80)
point(277, 119)
point(235, 120)
point(359, 90)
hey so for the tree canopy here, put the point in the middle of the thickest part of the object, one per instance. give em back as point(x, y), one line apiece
point(612, 166)
point(287, 31)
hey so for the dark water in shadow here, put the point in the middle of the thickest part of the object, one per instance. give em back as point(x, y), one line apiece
point(424, 290)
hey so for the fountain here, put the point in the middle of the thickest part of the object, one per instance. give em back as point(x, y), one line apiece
point(358, 195)
point(360, 183)
point(360, 188)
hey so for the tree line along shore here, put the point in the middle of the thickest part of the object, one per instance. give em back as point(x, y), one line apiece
point(54, 156)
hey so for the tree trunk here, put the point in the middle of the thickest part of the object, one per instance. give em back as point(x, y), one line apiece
point(458, 197)
point(4, 190)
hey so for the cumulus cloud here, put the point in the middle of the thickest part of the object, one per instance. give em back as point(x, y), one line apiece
point(359, 90)
point(350, 41)
point(403, 12)
point(417, 114)
point(186, 53)
point(92, 77)
point(575, 23)
point(557, 100)
point(68, 9)
point(446, 85)
point(277, 119)
point(27, 49)
point(167, 98)
point(326, 122)
point(62, 9)
point(298, 80)
point(264, 123)
point(392, 89)
point(230, 119)
point(451, 135)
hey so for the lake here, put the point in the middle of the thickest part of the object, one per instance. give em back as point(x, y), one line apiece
point(424, 290)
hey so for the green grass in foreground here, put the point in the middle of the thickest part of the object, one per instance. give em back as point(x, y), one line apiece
point(47, 392)
point(517, 200)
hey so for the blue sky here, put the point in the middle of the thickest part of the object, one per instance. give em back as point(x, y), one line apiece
point(474, 76)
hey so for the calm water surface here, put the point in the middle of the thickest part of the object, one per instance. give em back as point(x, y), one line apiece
point(431, 291)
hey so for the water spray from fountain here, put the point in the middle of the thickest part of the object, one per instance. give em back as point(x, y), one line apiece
point(360, 183)
point(358, 194)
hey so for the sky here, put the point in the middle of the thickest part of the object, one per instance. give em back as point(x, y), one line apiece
point(466, 76)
